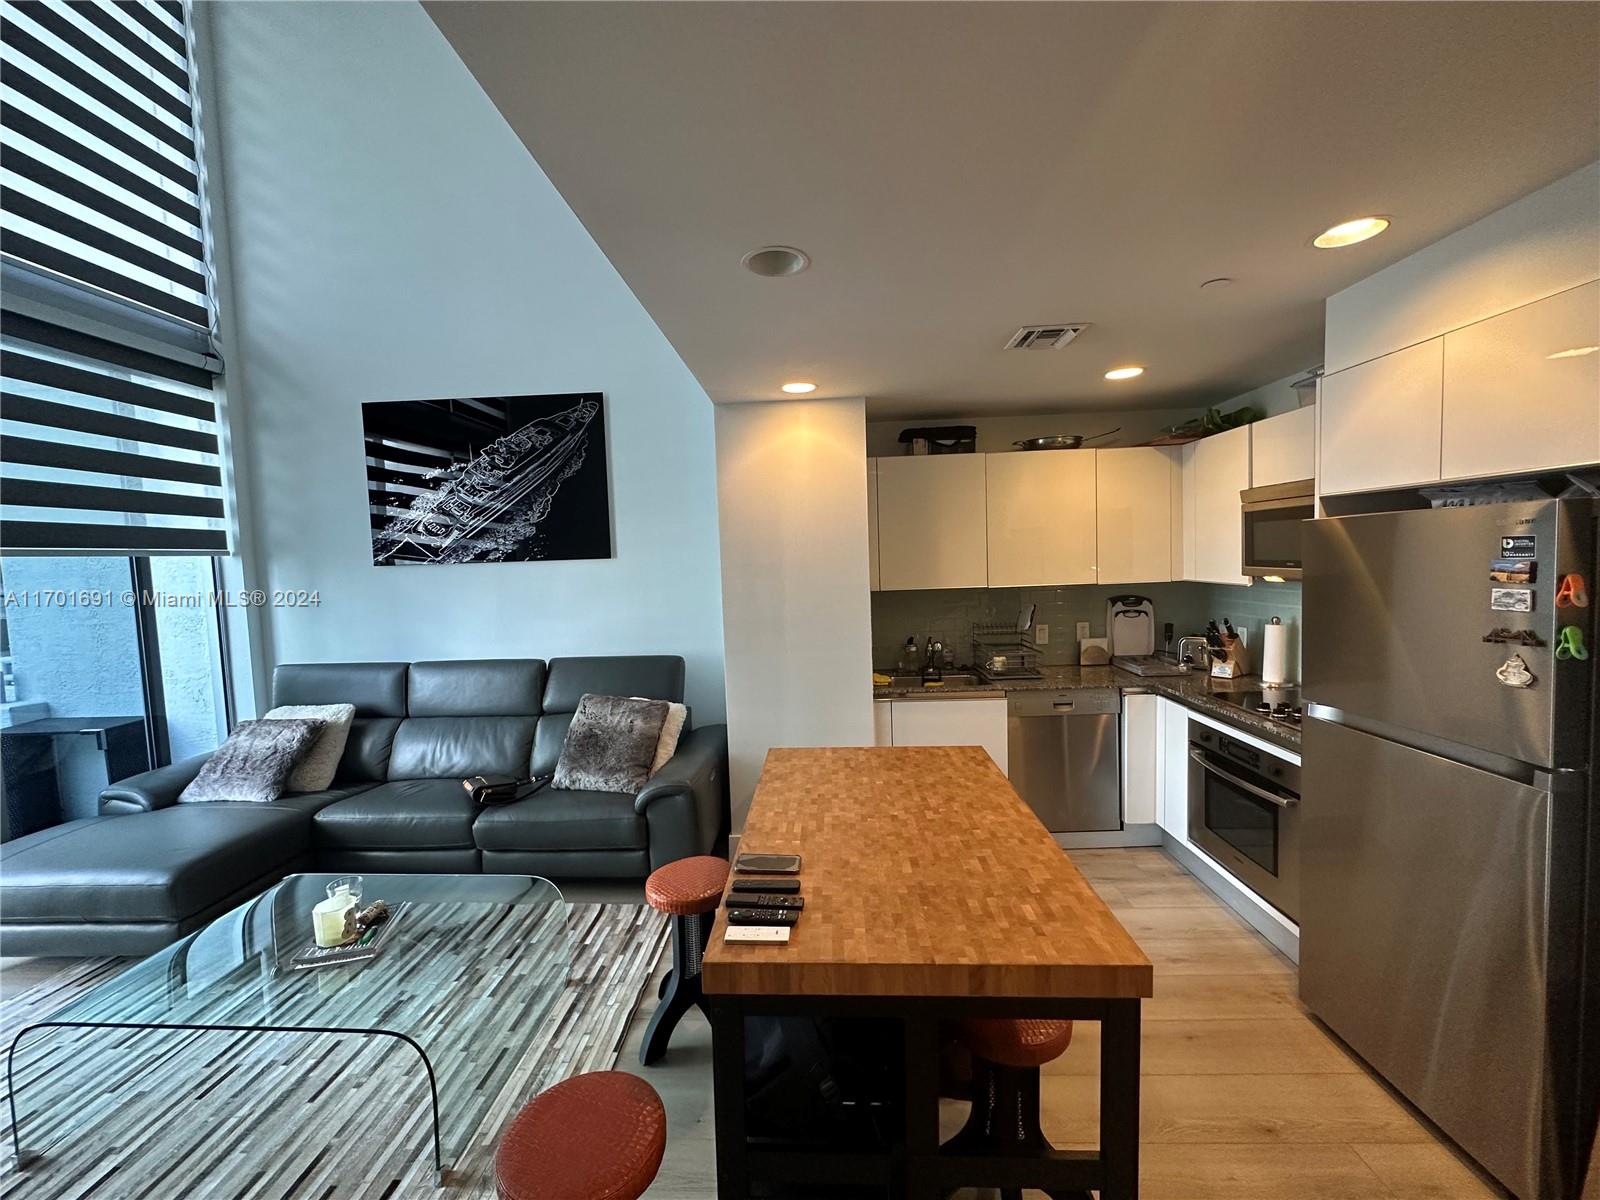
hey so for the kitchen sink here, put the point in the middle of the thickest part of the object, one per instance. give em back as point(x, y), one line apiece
point(952, 679)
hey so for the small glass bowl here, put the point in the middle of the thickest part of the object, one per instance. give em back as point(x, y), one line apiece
point(350, 884)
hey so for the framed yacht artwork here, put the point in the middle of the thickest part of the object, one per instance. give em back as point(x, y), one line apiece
point(487, 479)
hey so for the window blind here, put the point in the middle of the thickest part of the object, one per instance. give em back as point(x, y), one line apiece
point(109, 445)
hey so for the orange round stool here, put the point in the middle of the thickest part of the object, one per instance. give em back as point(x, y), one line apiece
point(1007, 1054)
point(598, 1136)
point(690, 890)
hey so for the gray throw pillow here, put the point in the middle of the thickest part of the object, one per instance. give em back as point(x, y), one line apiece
point(254, 763)
point(610, 744)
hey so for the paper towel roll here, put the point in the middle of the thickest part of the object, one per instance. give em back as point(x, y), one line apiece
point(1274, 654)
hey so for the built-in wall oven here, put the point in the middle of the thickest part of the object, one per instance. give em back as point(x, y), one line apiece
point(1244, 812)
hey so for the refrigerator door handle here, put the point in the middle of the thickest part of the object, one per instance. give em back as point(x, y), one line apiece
point(1199, 756)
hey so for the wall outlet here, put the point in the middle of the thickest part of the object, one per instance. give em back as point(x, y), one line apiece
point(1083, 631)
point(1041, 635)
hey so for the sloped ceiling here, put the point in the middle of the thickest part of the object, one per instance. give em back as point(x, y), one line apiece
point(958, 170)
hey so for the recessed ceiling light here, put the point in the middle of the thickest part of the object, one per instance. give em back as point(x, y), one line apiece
point(1348, 233)
point(1124, 372)
point(1217, 284)
point(1575, 352)
point(776, 261)
point(799, 389)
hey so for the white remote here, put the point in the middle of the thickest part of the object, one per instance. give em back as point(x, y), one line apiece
point(757, 933)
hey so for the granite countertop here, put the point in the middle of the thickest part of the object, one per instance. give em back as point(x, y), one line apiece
point(1195, 690)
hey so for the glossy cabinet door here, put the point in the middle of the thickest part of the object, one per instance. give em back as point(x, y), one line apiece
point(1283, 449)
point(873, 572)
point(1381, 422)
point(1041, 517)
point(1140, 752)
point(931, 531)
point(1216, 470)
point(1172, 757)
point(952, 723)
point(1133, 506)
point(1522, 389)
point(883, 722)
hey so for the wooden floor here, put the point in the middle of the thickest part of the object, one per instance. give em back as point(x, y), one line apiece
point(1245, 1097)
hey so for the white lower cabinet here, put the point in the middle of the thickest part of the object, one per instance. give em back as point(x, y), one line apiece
point(950, 723)
point(1140, 745)
point(1172, 768)
point(883, 722)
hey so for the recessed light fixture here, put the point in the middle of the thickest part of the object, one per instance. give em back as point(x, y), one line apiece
point(1575, 352)
point(1217, 284)
point(799, 389)
point(776, 261)
point(1124, 372)
point(1348, 233)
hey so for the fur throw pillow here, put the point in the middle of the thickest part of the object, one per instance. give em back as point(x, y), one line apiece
point(610, 744)
point(253, 764)
point(315, 771)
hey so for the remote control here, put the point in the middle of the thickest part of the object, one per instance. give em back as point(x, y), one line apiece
point(749, 900)
point(756, 933)
point(762, 916)
point(767, 887)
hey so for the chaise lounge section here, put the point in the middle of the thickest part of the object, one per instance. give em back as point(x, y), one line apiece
point(149, 870)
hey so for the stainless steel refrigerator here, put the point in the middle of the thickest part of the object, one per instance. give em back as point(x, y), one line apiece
point(1450, 858)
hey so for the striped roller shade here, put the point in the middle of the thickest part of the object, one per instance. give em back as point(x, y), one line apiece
point(100, 182)
point(106, 448)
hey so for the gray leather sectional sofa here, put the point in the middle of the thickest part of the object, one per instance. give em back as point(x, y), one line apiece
point(149, 870)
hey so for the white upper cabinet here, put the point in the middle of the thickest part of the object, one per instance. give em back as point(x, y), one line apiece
point(1133, 502)
point(1041, 518)
point(872, 526)
point(1516, 399)
point(1215, 470)
point(1381, 421)
point(931, 530)
point(1283, 449)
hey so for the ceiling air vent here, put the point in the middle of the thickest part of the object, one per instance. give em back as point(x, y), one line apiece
point(1044, 337)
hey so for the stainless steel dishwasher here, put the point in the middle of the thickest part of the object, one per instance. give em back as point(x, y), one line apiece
point(1065, 757)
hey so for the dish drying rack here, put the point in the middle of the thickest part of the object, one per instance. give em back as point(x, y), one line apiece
point(1020, 650)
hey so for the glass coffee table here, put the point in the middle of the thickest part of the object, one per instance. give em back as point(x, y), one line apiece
point(465, 979)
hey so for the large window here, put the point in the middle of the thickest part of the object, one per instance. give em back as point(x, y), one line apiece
point(112, 494)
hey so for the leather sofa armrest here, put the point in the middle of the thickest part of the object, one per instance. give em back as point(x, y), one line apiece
point(685, 802)
point(151, 789)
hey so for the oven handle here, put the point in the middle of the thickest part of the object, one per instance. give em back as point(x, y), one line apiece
point(1200, 757)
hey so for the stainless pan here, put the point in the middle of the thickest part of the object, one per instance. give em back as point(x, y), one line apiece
point(1062, 441)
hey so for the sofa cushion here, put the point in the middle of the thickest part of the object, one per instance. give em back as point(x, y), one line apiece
point(313, 802)
point(500, 687)
point(254, 763)
point(405, 814)
point(553, 819)
point(610, 744)
point(655, 676)
point(164, 865)
point(367, 750)
point(320, 762)
point(445, 747)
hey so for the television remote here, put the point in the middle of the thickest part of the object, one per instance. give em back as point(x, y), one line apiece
point(767, 887)
point(756, 933)
point(749, 900)
point(762, 916)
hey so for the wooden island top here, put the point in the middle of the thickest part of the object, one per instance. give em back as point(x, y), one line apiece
point(924, 874)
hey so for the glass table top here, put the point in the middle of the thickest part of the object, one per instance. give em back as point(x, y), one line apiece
point(467, 974)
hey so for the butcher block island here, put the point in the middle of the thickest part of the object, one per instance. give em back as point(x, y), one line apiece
point(932, 894)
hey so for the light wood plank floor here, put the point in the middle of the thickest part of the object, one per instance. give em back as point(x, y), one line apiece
point(1244, 1097)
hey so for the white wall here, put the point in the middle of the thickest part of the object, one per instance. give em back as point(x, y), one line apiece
point(797, 619)
point(1535, 247)
point(390, 238)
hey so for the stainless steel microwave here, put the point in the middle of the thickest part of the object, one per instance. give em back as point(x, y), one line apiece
point(1272, 517)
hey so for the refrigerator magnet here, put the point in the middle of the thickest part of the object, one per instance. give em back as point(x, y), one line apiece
point(1510, 599)
point(1514, 673)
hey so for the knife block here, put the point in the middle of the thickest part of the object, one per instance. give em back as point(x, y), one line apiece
point(1235, 662)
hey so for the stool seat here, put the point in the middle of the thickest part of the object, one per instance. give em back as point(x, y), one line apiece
point(688, 886)
point(598, 1136)
point(1017, 1043)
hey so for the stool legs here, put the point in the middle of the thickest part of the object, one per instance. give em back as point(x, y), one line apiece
point(680, 990)
point(1005, 1119)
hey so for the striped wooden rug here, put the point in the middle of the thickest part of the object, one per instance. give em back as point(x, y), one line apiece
point(221, 1116)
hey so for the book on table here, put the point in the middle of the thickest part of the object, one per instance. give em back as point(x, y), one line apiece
point(363, 949)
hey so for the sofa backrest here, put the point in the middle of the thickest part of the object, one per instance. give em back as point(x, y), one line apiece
point(468, 717)
point(653, 676)
point(378, 690)
point(451, 719)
